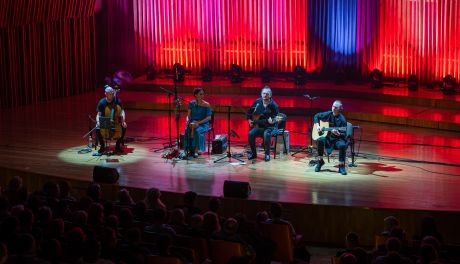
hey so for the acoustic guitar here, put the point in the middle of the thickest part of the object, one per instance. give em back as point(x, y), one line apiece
point(325, 129)
point(256, 120)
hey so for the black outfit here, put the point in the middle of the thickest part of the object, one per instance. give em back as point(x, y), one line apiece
point(101, 106)
point(264, 129)
point(332, 140)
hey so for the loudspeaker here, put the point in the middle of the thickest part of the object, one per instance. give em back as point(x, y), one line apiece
point(105, 175)
point(219, 144)
point(237, 189)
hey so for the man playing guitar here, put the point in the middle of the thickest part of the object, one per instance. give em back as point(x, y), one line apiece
point(261, 118)
point(335, 135)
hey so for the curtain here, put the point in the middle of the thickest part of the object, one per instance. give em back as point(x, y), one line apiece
point(46, 50)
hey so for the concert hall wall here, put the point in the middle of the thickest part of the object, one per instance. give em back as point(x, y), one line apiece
point(46, 50)
point(400, 37)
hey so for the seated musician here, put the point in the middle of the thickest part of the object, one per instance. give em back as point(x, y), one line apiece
point(336, 137)
point(198, 117)
point(104, 109)
point(261, 118)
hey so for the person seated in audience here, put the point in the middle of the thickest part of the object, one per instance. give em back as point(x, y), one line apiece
point(195, 227)
point(428, 228)
point(92, 253)
point(65, 191)
point(389, 223)
point(94, 191)
point(214, 206)
point(428, 254)
point(347, 258)
point(55, 229)
point(126, 220)
point(393, 251)
point(26, 250)
point(229, 233)
point(300, 250)
point(351, 241)
point(276, 213)
point(96, 216)
point(177, 221)
point(139, 211)
point(109, 244)
point(131, 250)
point(75, 240)
point(362, 256)
point(153, 199)
point(211, 223)
point(124, 198)
point(189, 208)
point(159, 225)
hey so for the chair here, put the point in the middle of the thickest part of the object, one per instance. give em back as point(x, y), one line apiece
point(209, 131)
point(282, 236)
point(199, 245)
point(222, 251)
point(350, 141)
point(280, 132)
point(380, 240)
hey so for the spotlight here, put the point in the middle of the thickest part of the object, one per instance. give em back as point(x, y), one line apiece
point(236, 73)
point(376, 79)
point(150, 72)
point(412, 83)
point(265, 75)
point(449, 85)
point(179, 72)
point(340, 77)
point(206, 74)
point(300, 75)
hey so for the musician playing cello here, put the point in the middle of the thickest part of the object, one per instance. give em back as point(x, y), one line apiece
point(104, 109)
point(336, 137)
point(198, 117)
point(261, 118)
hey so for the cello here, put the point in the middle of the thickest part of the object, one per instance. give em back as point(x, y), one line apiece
point(113, 111)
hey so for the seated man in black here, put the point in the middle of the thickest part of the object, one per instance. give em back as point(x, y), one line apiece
point(336, 137)
point(104, 109)
point(261, 118)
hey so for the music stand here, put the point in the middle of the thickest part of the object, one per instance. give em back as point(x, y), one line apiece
point(308, 149)
point(229, 154)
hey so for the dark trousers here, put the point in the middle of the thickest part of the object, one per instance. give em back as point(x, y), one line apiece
point(340, 144)
point(265, 133)
point(101, 139)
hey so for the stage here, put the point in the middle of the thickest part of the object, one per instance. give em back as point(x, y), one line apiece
point(404, 170)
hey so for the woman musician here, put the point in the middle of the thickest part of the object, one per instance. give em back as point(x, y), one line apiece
point(198, 117)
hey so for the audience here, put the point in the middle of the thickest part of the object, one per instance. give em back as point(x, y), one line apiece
point(53, 226)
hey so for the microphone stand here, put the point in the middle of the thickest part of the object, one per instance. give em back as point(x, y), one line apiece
point(308, 149)
point(177, 105)
point(229, 140)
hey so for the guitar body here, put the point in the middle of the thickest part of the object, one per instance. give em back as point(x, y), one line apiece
point(256, 120)
point(315, 134)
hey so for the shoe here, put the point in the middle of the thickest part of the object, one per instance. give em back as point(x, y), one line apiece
point(101, 150)
point(342, 170)
point(118, 149)
point(252, 156)
point(267, 157)
point(319, 164)
point(195, 155)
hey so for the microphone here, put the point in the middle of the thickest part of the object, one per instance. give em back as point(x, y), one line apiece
point(310, 97)
point(356, 127)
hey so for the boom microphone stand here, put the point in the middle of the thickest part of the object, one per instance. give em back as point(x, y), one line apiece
point(229, 134)
point(169, 144)
point(308, 149)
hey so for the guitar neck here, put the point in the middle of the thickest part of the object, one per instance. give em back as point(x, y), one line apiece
point(337, 128)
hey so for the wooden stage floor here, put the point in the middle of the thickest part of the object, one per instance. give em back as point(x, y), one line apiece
point(399, 167)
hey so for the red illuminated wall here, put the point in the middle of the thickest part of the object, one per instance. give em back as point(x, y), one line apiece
point(400, 37)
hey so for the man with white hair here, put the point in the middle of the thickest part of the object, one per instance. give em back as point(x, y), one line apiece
point(261, 118)
point(336, 137)
point(104, 109)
